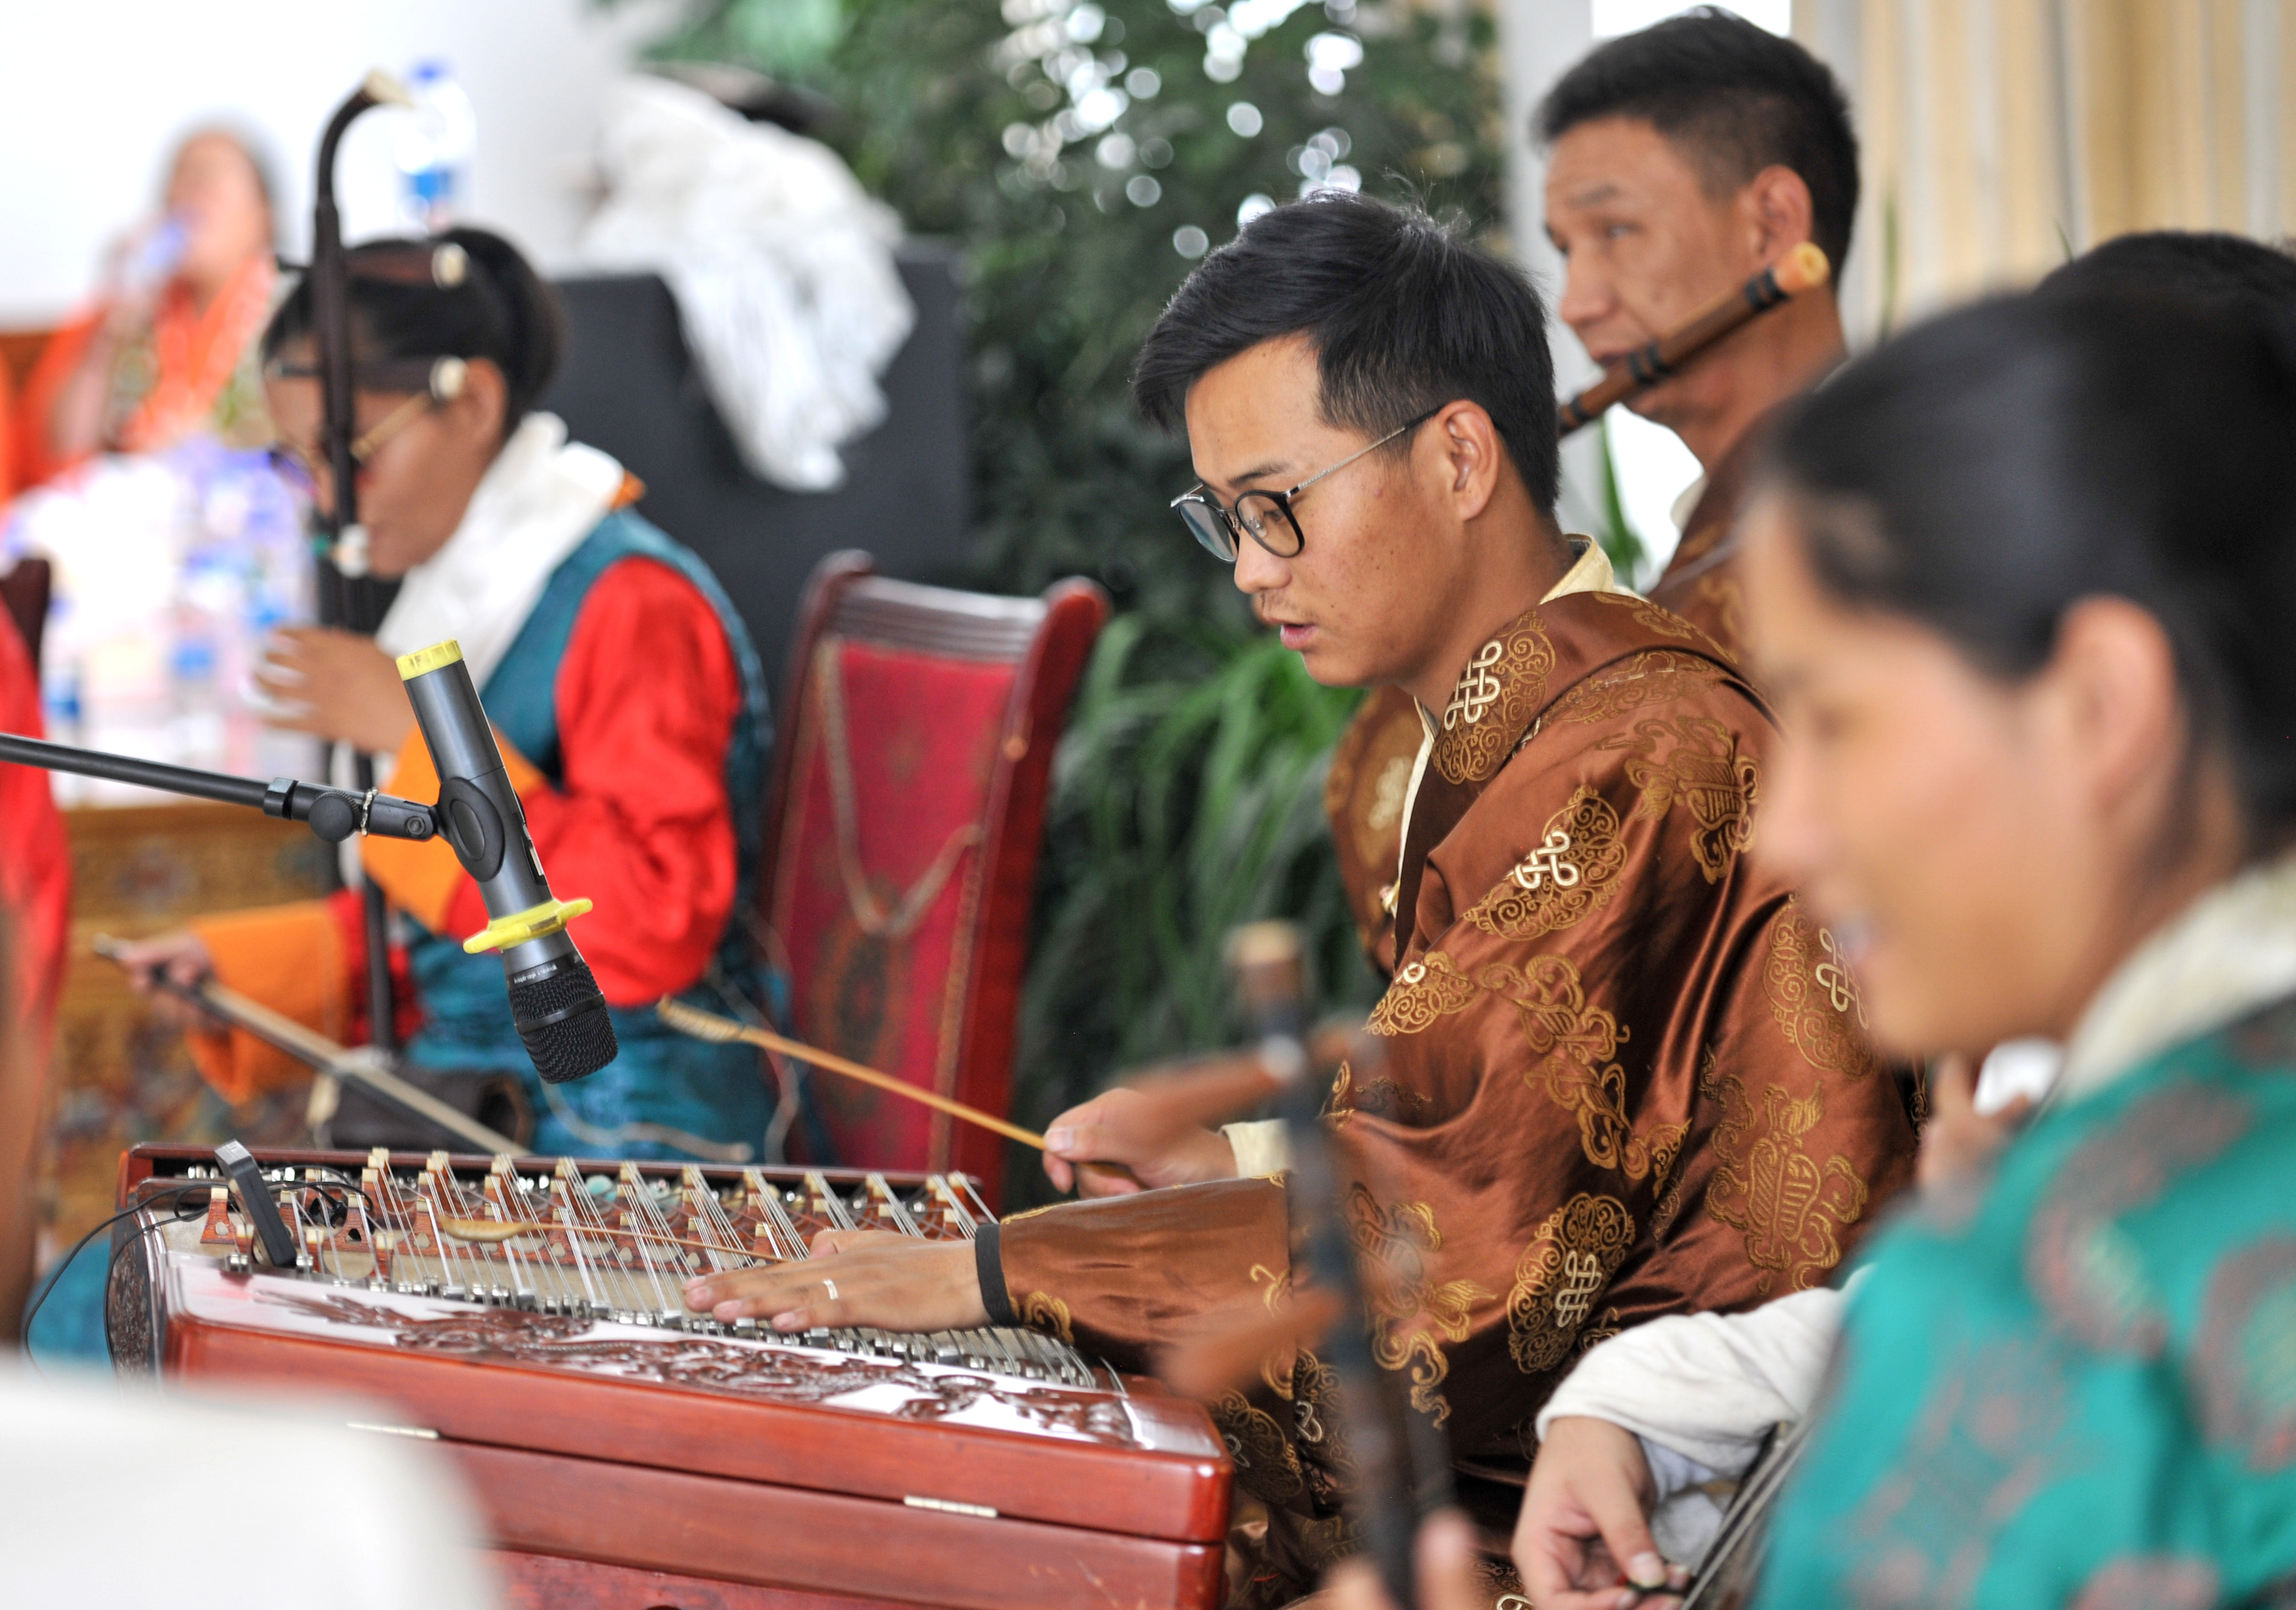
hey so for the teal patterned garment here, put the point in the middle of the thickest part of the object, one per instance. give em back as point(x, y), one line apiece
point(2075, 1384)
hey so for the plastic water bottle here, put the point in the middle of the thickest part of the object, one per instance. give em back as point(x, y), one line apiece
point(432, 147)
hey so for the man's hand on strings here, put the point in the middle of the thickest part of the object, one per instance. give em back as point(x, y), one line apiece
point(1447, 1577)
point(854, 1277)
point(1118, 1144)
point(336, 684)
point(181, 956)
point(1584, 1540)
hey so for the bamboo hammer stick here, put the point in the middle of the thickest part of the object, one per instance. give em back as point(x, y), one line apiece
point(708, 1025)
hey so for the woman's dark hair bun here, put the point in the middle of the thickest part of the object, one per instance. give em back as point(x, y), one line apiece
point(500, 310)
point(1987, 470)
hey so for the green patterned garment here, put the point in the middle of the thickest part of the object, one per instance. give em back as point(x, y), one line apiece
point(2074, 1383)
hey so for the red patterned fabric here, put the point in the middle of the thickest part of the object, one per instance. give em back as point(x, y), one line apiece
point(921, 732)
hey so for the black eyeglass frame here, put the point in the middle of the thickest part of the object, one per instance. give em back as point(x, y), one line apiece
point(1214, 526)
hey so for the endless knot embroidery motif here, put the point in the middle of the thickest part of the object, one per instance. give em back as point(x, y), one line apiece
point(1493, 701)
point(1429, 988)
point(1703, 769)
point(1582, 840)
point(1572, 1045)
point(2246, 1362)
point(1656, 676)
point(1561, 1273)
point(2080, 1264)
point(1792, 1207)
point(1416, 1315)
point(1813, 995)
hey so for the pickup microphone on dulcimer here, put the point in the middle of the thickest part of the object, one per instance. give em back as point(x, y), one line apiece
point(1804, 268)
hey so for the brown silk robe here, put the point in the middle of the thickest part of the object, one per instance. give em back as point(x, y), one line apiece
point(1700, 581)
point(1623, 1079)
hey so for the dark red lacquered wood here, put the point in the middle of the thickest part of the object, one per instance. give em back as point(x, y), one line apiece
point(704, 1494)
point(549, 1581)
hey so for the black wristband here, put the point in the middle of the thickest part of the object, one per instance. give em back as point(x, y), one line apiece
point(989, 1263)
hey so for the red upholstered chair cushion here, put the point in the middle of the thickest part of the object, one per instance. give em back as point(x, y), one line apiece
point(908, 802)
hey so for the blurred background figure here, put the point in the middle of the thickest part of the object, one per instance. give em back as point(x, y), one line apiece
point(161, 352)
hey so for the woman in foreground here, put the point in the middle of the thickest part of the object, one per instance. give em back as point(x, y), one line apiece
point(2019, 583)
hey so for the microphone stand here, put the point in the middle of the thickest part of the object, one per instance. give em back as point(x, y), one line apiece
point(346, 591)
point(333, 815)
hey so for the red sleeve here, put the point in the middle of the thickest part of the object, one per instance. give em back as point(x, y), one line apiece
point(641, 826)
point(35, 865)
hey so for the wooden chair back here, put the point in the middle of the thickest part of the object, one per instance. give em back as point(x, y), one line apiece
point(903, 826)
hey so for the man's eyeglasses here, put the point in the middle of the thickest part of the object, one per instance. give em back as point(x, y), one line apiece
point(1266, 516)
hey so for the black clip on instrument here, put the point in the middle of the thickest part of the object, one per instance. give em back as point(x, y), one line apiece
point(246, 1176)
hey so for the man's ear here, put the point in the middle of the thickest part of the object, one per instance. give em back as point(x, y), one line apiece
point(1776, 208)
point(1470, 453)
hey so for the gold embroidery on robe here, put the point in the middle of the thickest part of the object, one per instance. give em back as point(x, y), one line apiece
point(1791, 1206)
point(1572, 1043)
point(1665, 622)
point(1561, 1272)
point(1570, 875)
point(1813, 995)
point(1655, 676)
point(1601, 1331)
point(1493, 701)
point(1723, 595)
point(1429, 988)
point(1041, 1310)
point(1266, 1466)
point(1701, 768)
point(1415, 1315)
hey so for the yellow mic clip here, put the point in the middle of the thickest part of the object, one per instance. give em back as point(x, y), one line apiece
point(534, 922)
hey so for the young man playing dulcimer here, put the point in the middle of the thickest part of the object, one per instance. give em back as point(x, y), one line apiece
point(1622, 1072)
point(1682, 160)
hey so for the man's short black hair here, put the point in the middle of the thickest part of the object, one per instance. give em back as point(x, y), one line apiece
point(1734, 99)
point(2227, 272)
point(1403, 314)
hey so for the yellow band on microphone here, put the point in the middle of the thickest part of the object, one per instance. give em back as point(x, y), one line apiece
point(535, 922)
point(411, 665)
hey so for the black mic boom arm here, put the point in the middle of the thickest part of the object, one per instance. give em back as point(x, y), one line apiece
point(334, 814)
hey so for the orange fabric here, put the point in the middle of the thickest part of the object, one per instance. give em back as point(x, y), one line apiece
point(291, 959)
point(34, 863)
point(639, 823)
point(423, 880)
point(193, 352)
point(7, 438)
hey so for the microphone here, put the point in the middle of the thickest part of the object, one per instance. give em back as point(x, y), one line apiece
point(553, 999)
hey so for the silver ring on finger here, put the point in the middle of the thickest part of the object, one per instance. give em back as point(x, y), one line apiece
point(830, 1287)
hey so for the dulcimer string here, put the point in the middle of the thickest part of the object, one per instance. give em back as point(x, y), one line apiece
point(1804, 268)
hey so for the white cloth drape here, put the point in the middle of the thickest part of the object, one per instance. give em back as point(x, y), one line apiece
point(782, 265)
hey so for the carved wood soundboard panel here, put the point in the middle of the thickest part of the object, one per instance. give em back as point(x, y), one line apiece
point(968, 1468)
